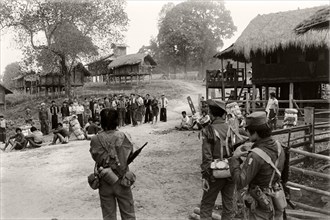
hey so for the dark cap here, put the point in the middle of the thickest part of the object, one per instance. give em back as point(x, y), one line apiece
point(256, 119)
point(216, 103)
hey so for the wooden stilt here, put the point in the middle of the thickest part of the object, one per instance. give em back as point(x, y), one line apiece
point(291, 95)
point(254, 96)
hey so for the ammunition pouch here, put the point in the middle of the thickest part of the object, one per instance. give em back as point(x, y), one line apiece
point(128, 179)
point(263, 201)
point(93, 181)
point(108, 175)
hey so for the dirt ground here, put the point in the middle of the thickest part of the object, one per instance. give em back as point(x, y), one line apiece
point(51, 182)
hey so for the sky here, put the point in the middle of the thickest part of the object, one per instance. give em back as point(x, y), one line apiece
point(143, 17)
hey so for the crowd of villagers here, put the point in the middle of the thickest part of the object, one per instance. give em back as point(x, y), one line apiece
point(82, 118)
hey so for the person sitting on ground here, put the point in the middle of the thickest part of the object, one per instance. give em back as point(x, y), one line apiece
point(35, 138)
point(19, 141)
point(203, 121)
point(91, 129)
point(185, 122)
point(60, 133)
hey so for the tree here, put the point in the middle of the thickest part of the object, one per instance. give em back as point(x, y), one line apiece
point(192, 31)
point(12, 70)
point(60, 33)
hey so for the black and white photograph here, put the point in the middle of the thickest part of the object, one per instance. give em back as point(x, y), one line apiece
point(164, 110)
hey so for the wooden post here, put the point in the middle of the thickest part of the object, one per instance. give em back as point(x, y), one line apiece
point(309, 120)
point(254, 96)
point(247, 105)
point(46, 91)
point(267, 93)
point(291, 95)
point(261, 96)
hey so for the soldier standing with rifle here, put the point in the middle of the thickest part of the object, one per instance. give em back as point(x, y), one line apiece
point(261, 170)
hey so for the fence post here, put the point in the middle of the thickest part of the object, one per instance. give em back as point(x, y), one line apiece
point(291, 95)
point(247, 105)
point(254, 96)
point(309, 120)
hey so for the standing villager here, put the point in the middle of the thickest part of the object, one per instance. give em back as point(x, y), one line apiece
point(80, 114)
point(139, 113)
point(272, 110)
point(114, 103)
point(133, 109)
point(262, 176)
point(3, 126)
point(213, 147)
point(163, 105)
point(44, 119)
point(155, 110)
point(107, 102)
point(54, 111)
point(65, 111)
point(128, 111)
point(122, 111)
point(91, 106)
point(148, 114)
point(110, 150)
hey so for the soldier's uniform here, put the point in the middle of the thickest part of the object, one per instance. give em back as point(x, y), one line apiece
point(119, 147)
point(44, 119)
point(211, 151)
point(256, 172)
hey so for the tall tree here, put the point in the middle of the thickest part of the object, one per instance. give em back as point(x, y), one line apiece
point(62, 32)
point(12, 70)
point(193, 30)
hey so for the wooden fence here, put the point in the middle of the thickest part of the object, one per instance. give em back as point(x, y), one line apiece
point(309, 135)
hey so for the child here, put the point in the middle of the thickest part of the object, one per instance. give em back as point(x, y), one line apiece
point(3, 126)
point(60, 133)
point(19, 143)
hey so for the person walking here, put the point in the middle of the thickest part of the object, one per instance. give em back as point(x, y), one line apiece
point(110, 150)
point(54, 111)
point(213, 147)
point(261, 171)
point(44, 119)
point(163, 105)
point(272, 110)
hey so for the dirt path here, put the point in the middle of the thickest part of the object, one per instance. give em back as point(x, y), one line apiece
point(51, 182)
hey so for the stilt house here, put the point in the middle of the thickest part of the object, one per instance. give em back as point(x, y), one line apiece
point(289, 52)
point(3, 92)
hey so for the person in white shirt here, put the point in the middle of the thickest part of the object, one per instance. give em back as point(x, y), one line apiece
point(80, 113)
point(163, 102)
point(185, 122)
point(272, 110)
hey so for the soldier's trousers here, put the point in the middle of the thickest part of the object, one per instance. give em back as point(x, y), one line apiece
point(226, 187)
point(110, 195)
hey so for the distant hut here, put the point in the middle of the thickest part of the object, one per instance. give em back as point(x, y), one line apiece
point(289, 52)
point(55, 81)
point(99, 68)
point(27, 82)
point(3, 92)
point(130, 67)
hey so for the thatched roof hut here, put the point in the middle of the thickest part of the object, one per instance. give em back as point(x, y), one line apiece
point(132, 59)
point(319, 20)
point(266, 33)
point(229, 53)
point(99, 67)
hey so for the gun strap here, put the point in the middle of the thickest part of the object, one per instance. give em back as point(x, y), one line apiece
point(262, 154)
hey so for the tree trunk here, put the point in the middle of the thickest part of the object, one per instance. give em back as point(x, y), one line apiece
point(67, 77)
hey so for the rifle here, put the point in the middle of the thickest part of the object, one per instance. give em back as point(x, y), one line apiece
point(135, 154)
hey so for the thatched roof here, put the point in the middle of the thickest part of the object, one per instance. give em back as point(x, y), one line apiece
point(30, 76)
point(266, 33)
point(229, 53)
point(131, 59)
point(7, 91)
point(99, 67)
point(319, 20)
point(80, 67)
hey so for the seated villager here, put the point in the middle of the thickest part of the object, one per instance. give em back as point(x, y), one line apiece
point(91, 129)
point(203, 121)
point(185, 122)
point(18, 143)
point(60, 133)
point(34, 139)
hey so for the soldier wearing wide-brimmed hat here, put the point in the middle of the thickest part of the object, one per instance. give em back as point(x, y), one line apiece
point(213, 147)
point(256, 172)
